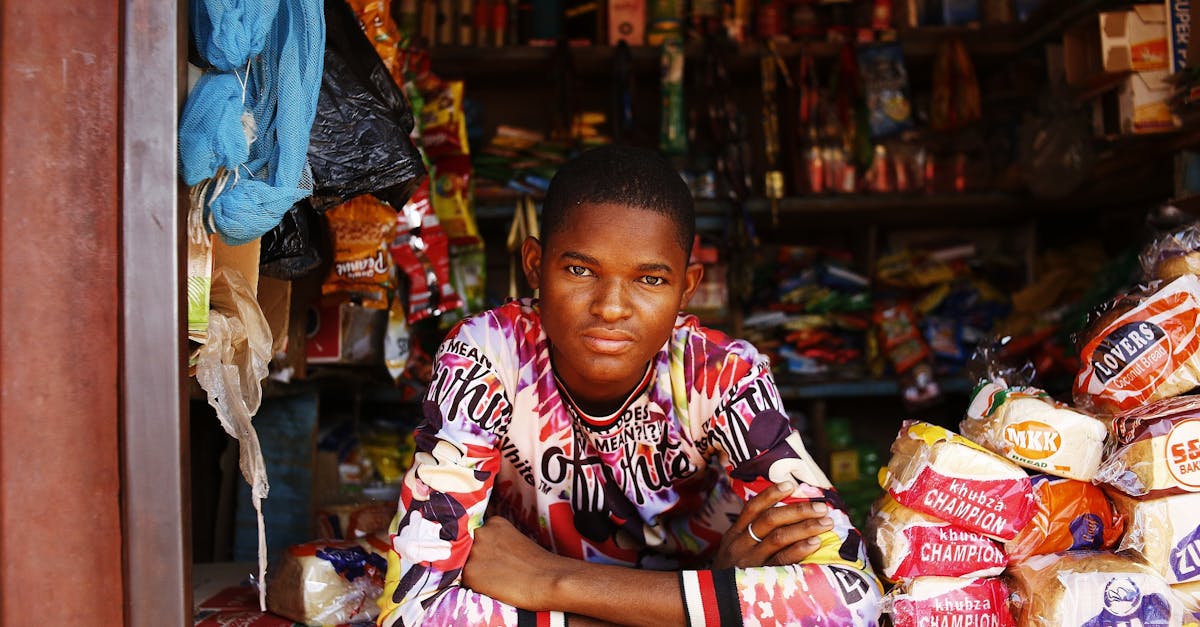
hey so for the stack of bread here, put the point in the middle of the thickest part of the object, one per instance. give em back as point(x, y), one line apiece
point(936, 533)
point(1111, 536)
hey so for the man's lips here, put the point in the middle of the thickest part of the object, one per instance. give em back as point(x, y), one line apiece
point(607, 341)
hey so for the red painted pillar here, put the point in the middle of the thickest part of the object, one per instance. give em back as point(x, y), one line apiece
point(60, 521)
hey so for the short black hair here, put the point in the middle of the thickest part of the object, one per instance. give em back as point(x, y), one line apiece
point(623, 175)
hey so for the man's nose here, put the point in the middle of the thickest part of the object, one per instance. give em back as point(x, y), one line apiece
point(612, 301)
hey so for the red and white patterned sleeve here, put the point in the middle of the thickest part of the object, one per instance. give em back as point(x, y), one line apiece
point(759, 448)
point(444, 495)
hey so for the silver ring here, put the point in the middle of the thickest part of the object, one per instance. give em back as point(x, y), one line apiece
point(750, 530)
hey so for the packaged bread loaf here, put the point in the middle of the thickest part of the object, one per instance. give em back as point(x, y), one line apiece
point(949, 601)
point(1071, 515)
point(938, 472)
point(905, 543)
point(1172, 254)
point(1189, 595)
point(1156, 449)
point(1098, 588)
point(1144, 348)
point(329, 582)
point(1030, 428)
point(1165, 532)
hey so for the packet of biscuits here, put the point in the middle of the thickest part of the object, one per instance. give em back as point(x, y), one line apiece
point(362, 228)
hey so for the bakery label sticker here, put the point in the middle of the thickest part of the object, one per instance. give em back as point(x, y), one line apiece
point(1032, 439)
point(1183, 454)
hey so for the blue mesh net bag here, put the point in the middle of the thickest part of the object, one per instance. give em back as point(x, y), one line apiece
point(247, 121)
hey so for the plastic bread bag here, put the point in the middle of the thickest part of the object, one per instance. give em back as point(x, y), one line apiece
point(329, 582)
point(1030, 428)
point(1156, 450)
point(905, 543)
point(1144, 348)
point(1165, 533)
point(1071, 515)
point(1189, 595)
point(937, 601)
point(1091, 588)
point(938, 472)
point(1172, 254)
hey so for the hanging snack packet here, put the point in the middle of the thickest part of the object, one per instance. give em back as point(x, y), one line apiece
point(397, 340)
point(443, 123)
point(885, 81)
point(422, 251)
point(361, 229)
point(454, 198)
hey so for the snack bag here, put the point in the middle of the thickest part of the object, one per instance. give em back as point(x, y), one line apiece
point(453, 198)
point(1030, 428)
point(947, 476)
point(1091, 588)
point(1142, 350)
point(422, 251)
point(1071, 515)
point(1157, 449)
point(930, 601)
point(905, 544)
point(361, 229)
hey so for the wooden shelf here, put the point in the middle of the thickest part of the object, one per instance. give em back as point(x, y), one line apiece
point(998, 42)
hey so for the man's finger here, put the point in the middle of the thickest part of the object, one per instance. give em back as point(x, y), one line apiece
point(796, 552)
point(761, 502)
point(775, 517)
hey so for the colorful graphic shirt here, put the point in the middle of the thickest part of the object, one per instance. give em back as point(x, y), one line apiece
point(654, 485)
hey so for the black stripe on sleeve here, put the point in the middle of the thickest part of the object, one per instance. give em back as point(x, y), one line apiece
point(729, 608)
point(525, 618)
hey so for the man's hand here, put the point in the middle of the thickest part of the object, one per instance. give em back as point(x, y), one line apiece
point(788, 532)
point(509, 567)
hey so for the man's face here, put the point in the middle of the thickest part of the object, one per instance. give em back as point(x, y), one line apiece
point(611, 282)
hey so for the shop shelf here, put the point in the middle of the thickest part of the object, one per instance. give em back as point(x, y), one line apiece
point(791, 388)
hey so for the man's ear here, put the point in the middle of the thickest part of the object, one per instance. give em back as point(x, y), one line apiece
point(531, 261)
point(691, 280)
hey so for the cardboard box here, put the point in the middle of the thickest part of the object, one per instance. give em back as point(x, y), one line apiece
point(1141, 105)
point(627, 22)
point(1179, 30)
point(1135, 40)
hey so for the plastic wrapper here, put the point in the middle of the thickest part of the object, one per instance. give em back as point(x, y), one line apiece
point(1144, 348)
point(397, 340)
point(905, 543)
point(360, 138)
point(361, 229)
point(329, 582)
point(1157, 449)
point(1030, 428)
point(955, 102)
point(1071, 515)
point(230, 368)
point(443, 123)
point(940, 473)
point(453, 199)
point(1091, 588)
point(421, 251)
point(292, 249)
point(1172, 254)
point(199, 270)
point(949, 601)
point(1165, 533)
point(885, 83)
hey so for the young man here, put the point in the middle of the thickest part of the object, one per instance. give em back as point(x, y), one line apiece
point(594, 457)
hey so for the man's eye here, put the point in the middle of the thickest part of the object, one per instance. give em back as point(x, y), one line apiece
point(653, 280)
point(578, 270)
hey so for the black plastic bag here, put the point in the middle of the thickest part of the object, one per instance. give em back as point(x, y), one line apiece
point(360, 138)
point(296, 246)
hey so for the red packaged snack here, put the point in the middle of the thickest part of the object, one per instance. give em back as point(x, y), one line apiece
point(1142, 350)
point(1071, 515)
point(938, 601)
point(422, 251)
point(940, 473)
